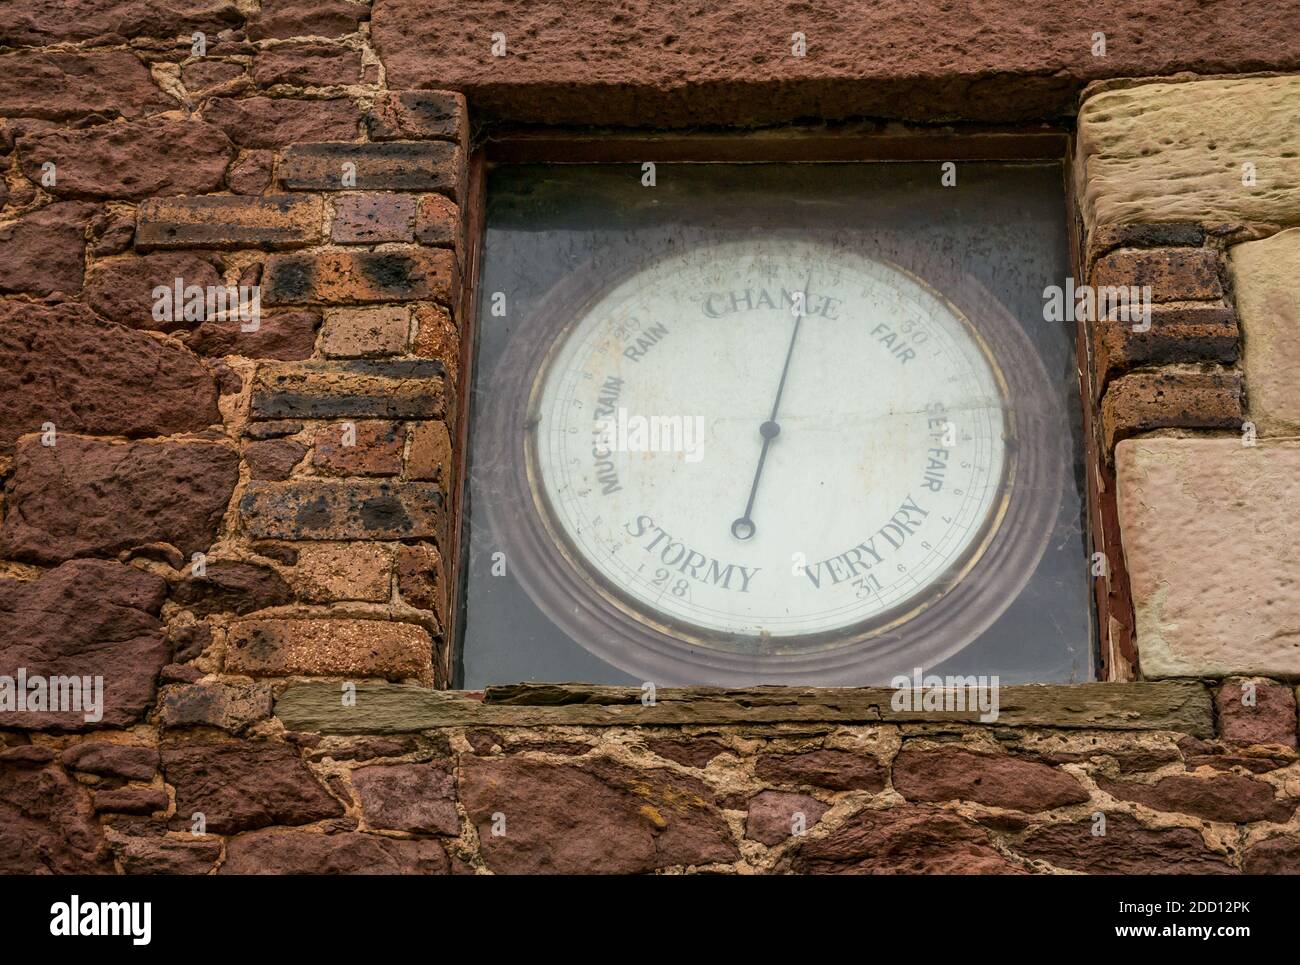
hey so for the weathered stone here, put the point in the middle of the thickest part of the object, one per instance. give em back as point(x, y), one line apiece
point(111, 232)
point(774, 816)
point(1191, 140)
point(272, 430)
point(1178, 496)
point(357, 389)
point(327, 572)
point(837, 770)
point(1172, 274)
point(437, 222)
point(1171, 398)
point(273, 458)
point(365, 332)
point(1183, 706)
point(122, 289)
point(272, 122)
point(159, 854)
point(26, 755)
point(251, 172)
point(126, 494)
point(374, 218)
point(306, 64)
point(232, 586)
point(420, 798)
point(597, 817)
point(129, 161)
point(1263, 279)
point(336, 648)
point(39, 22)
point(1273, 856)
point(419, 114)
point(131, 800)
point(276, 852)
point(230, 707)
point(359, 449)
point(354, 509)
point(1223, 797)
point(67, 367)
point(1178, 333)
point(421, 579)
point(952, 773)
point(903, 840)
point(430, 456)
point(189, 640)
point(127, 761)
point(47, 825)
point(332, 277)
point(243, 785)
point(1256, 712)
point(281, 19)
point(390, 166)
point(44, 251)
point(61, 84)
point(209, 74)
point(1126, 848)
point(88, 618)
point(288, 335)
point(694, 752)
point(229, 221)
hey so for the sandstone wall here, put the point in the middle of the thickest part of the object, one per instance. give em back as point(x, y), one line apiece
point(230, 525)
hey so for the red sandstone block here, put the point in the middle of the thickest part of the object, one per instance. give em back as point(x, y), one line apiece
point(1256, 711)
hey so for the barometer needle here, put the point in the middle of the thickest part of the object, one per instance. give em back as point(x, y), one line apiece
point(744, 528)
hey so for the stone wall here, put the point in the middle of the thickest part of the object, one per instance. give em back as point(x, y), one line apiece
point(233, 525)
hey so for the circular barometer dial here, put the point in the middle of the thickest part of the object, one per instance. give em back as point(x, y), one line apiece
point(757, 452)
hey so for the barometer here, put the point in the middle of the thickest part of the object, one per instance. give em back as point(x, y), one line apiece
point(772, 459)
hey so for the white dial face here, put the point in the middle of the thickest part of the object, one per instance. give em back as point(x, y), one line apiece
point(770, 438)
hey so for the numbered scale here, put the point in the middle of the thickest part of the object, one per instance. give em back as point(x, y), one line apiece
point(772, 460)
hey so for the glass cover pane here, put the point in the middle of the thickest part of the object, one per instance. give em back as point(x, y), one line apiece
point(774, 423)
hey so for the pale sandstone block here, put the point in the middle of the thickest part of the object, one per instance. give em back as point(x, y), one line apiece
point(1212, 543)
point(1266, 283)
point(1166, 152)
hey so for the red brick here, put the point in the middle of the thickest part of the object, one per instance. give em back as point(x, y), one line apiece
point(339, 277)
point(376, 449)
point(392, 166)
point(373, 218)
point(430, 456)
point(438, 222)
point(1174, 274)
point(1178, 333)
point(229, 221)
point(366, 332)
point(343, 647)
point(1170, 399)
point(419, 115)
